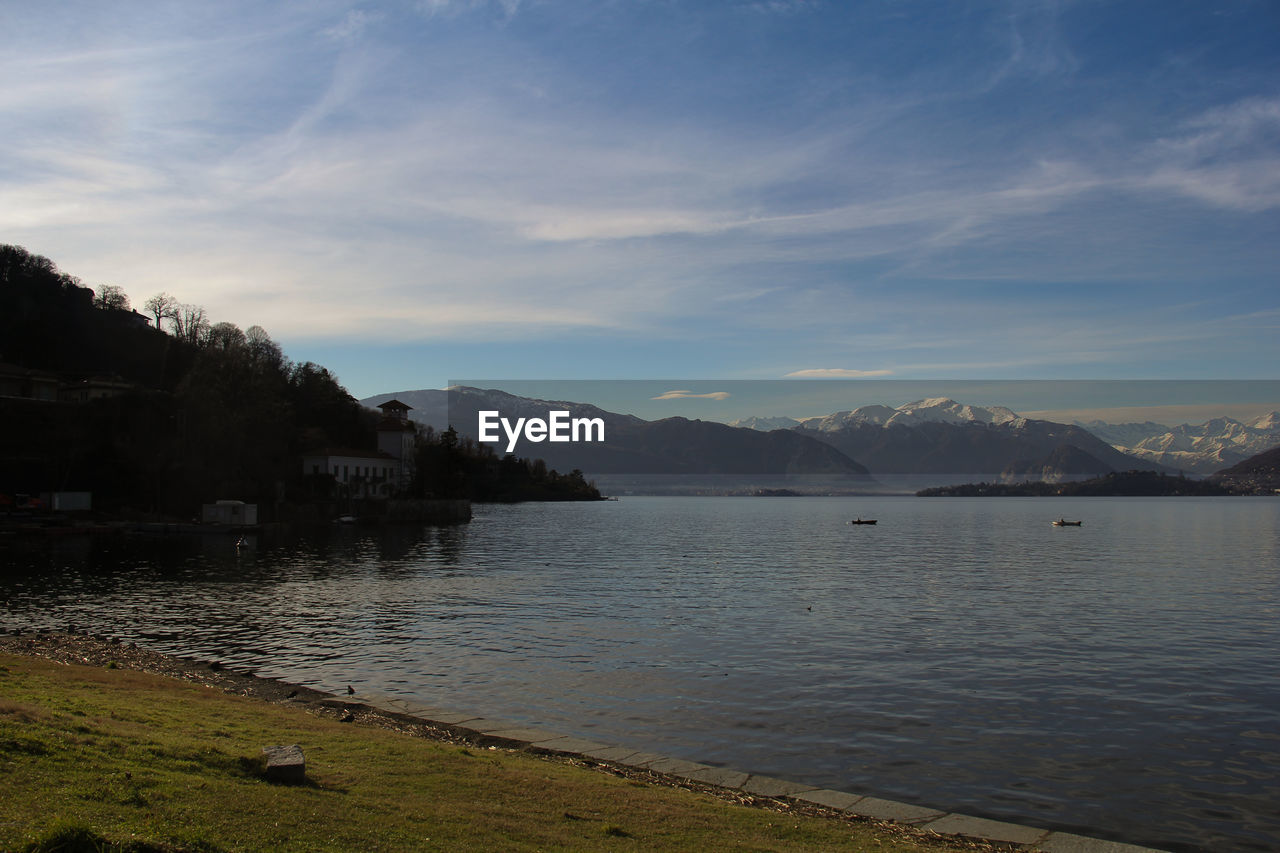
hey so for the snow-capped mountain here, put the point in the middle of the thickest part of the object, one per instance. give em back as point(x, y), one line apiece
point(934, 410)
point(1269, 422)
point(765, 424)
point(939, 436)
point(1203, 449)
point(1124, 435)
point(942, 410)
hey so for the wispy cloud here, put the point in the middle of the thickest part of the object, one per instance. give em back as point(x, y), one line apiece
point(432, 8)
point(491, 170)
point(353, 25)
point(1035, 44)
point(835, 373)
point(1226, 157)
point(689, 395)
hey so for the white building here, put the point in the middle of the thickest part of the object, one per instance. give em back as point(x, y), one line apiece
point(377, 473)
point(361, 473)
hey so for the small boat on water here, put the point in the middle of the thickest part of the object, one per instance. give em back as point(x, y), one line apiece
point(1062, 522)
point(861, 520)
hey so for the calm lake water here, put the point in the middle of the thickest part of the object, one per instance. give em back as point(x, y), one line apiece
point(1119, 679)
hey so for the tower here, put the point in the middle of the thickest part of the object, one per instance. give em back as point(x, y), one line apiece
point(395, 438)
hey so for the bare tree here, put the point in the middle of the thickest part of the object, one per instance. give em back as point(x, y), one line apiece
point(111, 298)
point(162, 306)
point(190, 323)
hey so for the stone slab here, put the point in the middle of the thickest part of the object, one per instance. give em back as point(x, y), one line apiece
point(874, 807)
point(389, 703)
point(1066, 842)
point(676, 766)
point(611, 753)
point(520, 735)
point(448, 718)
point(569, 744)
point(767, 786)
point(485, 725)
point(979, 827)
point(831, 799)
point(405, 706)
point(641, 760)
point(419, 709)
point(285, 763)
point(722, 777)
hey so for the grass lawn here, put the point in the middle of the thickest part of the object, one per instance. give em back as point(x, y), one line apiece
point(148, 762)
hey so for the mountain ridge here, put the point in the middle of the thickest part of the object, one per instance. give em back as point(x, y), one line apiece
point(670, 447)
point(1199, 449)
point(934, 437)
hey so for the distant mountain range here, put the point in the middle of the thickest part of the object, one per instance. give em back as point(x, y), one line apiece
point(935, 441)
point(932, 410)
point(672, 447)
point(1017, 449)
point(1212, 446)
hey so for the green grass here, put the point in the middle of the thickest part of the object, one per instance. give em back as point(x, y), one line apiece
point(114, 759)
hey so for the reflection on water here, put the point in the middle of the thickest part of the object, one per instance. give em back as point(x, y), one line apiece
point(1118, 678)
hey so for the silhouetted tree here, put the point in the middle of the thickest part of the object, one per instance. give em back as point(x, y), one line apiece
point(190, 323)
point(162, 306)
point(263, 351)
point(111, 298)
point(226, 337)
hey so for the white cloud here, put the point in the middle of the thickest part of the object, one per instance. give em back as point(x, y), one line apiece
point(835, 373)
point(689, 395)
point(1225, 156)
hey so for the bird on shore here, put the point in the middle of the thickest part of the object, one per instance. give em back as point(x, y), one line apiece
point(351, 691)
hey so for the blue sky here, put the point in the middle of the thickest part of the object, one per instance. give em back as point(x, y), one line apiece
point(413, 192)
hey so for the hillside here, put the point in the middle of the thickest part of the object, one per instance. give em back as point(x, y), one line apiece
point(1258, 474)
point(1116, 484)
point(159, 415)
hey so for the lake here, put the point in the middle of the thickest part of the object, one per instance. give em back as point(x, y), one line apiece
point(1118, 679)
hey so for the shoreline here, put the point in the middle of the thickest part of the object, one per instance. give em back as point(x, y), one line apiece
point(903, 819)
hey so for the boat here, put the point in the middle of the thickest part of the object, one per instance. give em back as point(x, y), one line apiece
point(861, 520)
point(1062, 522)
